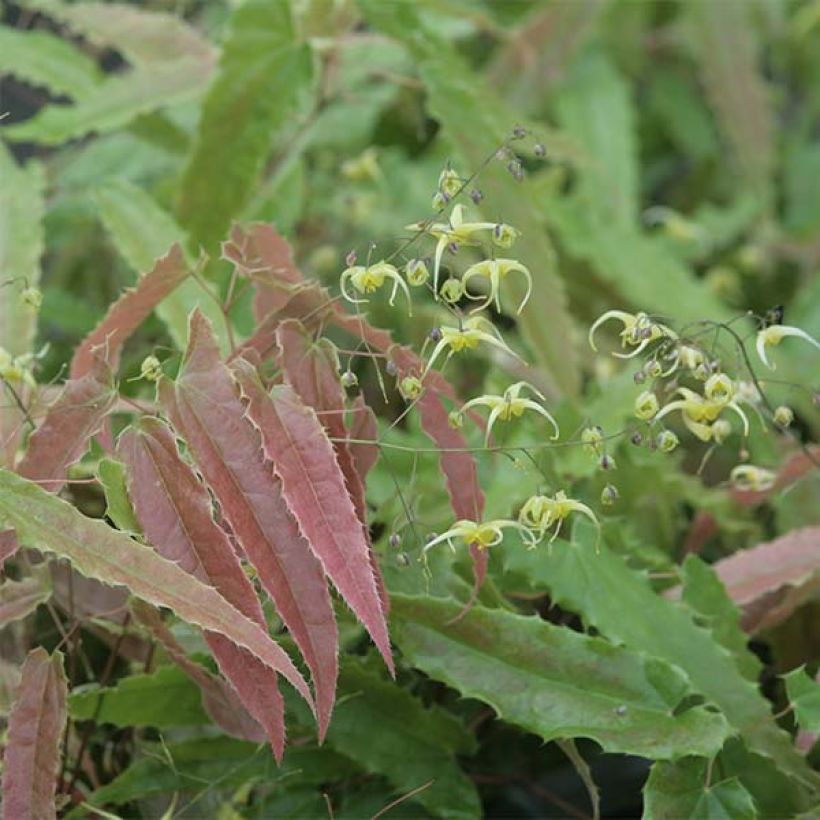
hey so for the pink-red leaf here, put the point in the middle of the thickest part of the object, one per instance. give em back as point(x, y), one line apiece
point(314, 489)
point(32, 759)
point(46, 522)
point(363, 433)
point(129, 312)
point(205, 410)
point(19, 599)
point(772, 579)
point(75, 416)
point(174, 510)
point(312, 370)
point(8, 545)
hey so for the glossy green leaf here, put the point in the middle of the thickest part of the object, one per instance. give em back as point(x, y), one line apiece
point(43, 59)
point(263, 71)
point(804, 695)
point(164, 698)
point(477, 123)
point(621, 605)
point(679, 791)
point(413, 744)
point(142, 231)
point(21, 246)
point(554, 682)
point(117, 503)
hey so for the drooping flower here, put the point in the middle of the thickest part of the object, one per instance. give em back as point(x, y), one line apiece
point(748, 477)
point(542, 512)
point(646, 405)
point(416, 272)
point(369, 278)
point(481, 535)
point(16, 369)
point(510, 405)
point(639, 331)
point(774, 334)
point(467, 337)
point(495, 271)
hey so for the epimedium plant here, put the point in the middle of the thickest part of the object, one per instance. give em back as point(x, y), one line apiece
point(260, 485)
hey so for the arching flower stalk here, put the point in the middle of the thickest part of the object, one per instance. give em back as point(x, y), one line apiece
point(510, 405)
point(369, 278)
point(457, 232)
point(481, 535)
point(467, 337)
point(639, 331)
point(541, 513)
point(774, 334)
point(495, 271)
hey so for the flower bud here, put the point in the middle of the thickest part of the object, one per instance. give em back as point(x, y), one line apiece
point(394, 540)
point(416, 272)
point(476, 196)
point(410, 387)
point(455, 419)
point(349, 379)
point(783, 416)
point(653, 368)
point(449, 183)
point(667, 441)
point(516, 169)
point(639, 377)
point(646, 405)
point(504, 235)
point(451, 291)
point(391, 368)
point(721, 430)
point(150, 369)
point(607, 463)
point(609, 495)
point(351, 258)
point(403, 559)
point(435, 334)
point(32, 297)
point(636, 438)
point(440, 201)
point(519, 132)
point(539, 149)
point(593, 439)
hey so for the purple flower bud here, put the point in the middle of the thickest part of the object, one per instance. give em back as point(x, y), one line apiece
point(395, 540)
point(639, 377)
point(476, 196)
point(391, 368)
point(435, 334)
point(539, 150)
point(453, 247)
point(519, 132)
point(516, 169)
point(636, 438)
point(403, 559)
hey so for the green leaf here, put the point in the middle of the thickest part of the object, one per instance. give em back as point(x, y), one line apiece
point(117, 503)
point(596, 110)
point(413, 744)
point(263, 71)
point(142, 231)
point(164, 698)
point(623, 607)
point(477, 123)
point(679, 791)
point(42, 59)
point(554, 682)
point(705, 595)
point(221, 763)
point(804, 695)
point(114, 103)
point(21, 246)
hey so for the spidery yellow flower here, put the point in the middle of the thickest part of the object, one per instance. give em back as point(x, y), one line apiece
point(774, 334)
point(541, 512)
point(481, 535)
point(467, 337)
point(495, 271)
point(749, 477)
point(639, 331)
point(369, 278)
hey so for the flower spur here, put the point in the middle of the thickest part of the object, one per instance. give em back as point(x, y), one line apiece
point(369, 278)
point(495, 271)
point(509, 406)
point(639, 331)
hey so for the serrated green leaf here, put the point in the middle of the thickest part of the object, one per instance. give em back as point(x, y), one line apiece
point(21, 246)
point(679, 791)
point(142, 232)
point(164, 698)
point(477, 123)
point(220, 763)
point(114, 103)
point(706, 596)
point(412, 745)
point(554, 682)
point(117, 503)
point(263, 71)
point(622, 606)
point(804, 695)
point(596, 110)
point(42, 59)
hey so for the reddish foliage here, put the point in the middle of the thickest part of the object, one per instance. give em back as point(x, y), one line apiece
point(32, 759)
point(315, 492)
point(75, 416)
point(206, 411)
point(129, 312)
point(8, 545)
point(175, 512)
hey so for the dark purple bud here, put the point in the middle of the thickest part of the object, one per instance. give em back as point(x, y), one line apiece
point(519, 132)
point(435, 334)
point(476, 196)
point(391, 368)
point(539, 150)
point(646, 333)
point(639, 377)
point(395, 540)
point(453, 247)
point(636, 438)
point(403, 559)
point(516, 169)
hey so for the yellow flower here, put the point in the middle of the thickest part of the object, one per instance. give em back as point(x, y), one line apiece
point(748, 477)
point(481, 535)
point(458, 232)
point(509, 406)
point(467, 337)
point(367, 279)
point(16, 369)
point(416, 272)
point(774, 334)
point(639, 331)
point(496, 270)
point(540, 512)
point(151, 369)
point(646, 405)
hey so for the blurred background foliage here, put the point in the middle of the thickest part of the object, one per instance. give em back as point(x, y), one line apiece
point(681, 177)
